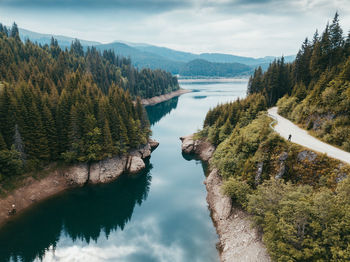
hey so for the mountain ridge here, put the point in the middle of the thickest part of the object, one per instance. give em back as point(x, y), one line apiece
point(156, 57)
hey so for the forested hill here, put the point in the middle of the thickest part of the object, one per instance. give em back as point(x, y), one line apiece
point(298, 198)
point(315, 88)
point(200, 67)
point(69, 104)
point(27, 61)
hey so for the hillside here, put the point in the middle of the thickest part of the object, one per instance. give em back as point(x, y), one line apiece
point(73, 106)
point(315, 88)
point(298, 198)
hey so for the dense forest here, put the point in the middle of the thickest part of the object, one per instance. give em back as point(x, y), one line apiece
point(69, 104)
point(315, 88)
point(298, 198)
point(201, 67)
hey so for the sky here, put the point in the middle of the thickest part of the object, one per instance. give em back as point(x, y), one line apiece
point(254, 28)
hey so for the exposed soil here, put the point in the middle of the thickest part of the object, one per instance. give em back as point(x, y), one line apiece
point(162, 98)
point(32, 192)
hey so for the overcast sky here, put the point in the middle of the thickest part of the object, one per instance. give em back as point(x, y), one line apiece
point(242, 27)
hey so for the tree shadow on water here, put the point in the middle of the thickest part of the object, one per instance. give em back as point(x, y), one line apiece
point(157, 112)
point(81, 214)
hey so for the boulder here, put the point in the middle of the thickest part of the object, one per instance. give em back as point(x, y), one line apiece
point(282, 169)
point(153, 144)
point(188, 144)
point(77, 174)
point(143, 152)
point(146, 151)
point(306, 154)
point(135, 164)
point(107, 170)
point(283, 156)
point(204, 149)
point(201, 148)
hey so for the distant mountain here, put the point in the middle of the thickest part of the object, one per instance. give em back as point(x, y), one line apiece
point(171, 54)
point(211, 57)
point(43, 39)
point(142, 59)
point(177, 62)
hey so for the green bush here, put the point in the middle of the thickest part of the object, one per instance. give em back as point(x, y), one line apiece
point(286, 105)
point(301, 224)
point(238, 190)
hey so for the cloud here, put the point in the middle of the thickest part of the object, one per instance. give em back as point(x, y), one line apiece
point(134, 5)
point(241, 27)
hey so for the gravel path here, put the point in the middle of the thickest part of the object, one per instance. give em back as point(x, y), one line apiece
point(300, 136)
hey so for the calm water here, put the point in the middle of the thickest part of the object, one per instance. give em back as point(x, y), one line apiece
point(159, 215)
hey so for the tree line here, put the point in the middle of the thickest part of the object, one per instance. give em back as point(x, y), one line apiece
point(315, 87)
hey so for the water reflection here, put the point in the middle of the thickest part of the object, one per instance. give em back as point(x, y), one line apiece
point(204, 164)
point(105, 223)
point(158, 111)
point(82, 214)
point(199, 97)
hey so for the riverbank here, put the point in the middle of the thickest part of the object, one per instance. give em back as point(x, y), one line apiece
point(238, 241)
point(158, 99)
point(77, 175)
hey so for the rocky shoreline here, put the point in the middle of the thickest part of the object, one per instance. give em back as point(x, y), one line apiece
point(77, 175)
point(238, 241)
point(158, 99)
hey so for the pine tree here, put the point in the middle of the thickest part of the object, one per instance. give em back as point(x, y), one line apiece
point(7, 116)
point(18, 144)
point(302, 64)
point(14, 31)
point(2, 143)
point(107, 140)
point(123, 141)
point(51, 132)
point(225, 130)
point(336, 33)
point(337, 41)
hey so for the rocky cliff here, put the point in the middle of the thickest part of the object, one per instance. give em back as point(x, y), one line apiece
point(110, 169)
point(80, 174)
point(238, 240)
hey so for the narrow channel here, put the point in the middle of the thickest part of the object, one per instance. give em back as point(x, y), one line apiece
point(159, 215)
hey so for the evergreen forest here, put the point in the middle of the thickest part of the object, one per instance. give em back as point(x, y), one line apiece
point(315, 89)
point(74, 105)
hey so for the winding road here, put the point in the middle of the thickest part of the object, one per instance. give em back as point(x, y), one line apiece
point(284, 128)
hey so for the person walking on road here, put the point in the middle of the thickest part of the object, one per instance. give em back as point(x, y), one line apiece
point(289, 137)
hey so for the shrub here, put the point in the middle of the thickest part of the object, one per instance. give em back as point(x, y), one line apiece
point(238, 190)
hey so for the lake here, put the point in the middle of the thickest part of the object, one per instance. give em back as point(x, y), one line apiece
point(158, 215)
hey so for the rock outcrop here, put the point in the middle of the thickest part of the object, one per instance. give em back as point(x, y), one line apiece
point(307, 154)
point(77, 174)
point(238, 240)
point(134, 165)
point(153, 144)
point(107, 170)
point(282, 165)
point(56, 181)
point(203, 149)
